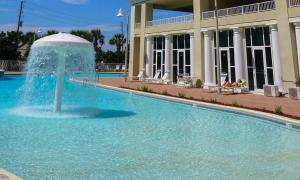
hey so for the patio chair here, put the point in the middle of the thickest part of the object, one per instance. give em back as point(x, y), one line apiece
point(155, 78)
point(184, 81)
point(123, 68)
point(139, 77)
point(164, 79)
point(117, 67)
point(237, 87)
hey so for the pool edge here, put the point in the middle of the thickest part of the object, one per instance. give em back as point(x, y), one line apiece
point(289, 122)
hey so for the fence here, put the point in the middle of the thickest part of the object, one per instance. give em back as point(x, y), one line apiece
point(294, 3)
point(12, 65)
point(239, 10)
point(172, 20)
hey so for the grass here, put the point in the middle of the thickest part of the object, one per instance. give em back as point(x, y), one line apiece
point(213, 100)
point(144, 89)
point(191, 97)
point(235, 104)
point(181, 95)
point(278, 110)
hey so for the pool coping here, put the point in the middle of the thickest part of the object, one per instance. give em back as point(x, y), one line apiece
point(286, 121)
point(7, 175)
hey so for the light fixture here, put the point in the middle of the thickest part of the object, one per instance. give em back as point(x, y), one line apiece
point(120, 13)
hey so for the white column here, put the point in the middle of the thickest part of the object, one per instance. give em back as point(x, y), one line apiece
point(238, 54)
point(276, 57)
point(297, 30)
point(192, 53)
point(148, 56)
point(168, 55)
point(208, 61)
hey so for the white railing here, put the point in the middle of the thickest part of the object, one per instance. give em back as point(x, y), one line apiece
point(137, 25)
point(294, 3)
point(172, 20)
point(239, 10)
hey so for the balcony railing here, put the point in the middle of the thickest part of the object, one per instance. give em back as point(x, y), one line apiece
point(239, 10)
point(173, 20)
point(294, 3)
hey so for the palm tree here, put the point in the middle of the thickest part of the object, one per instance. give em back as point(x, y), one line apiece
point(117, 40)
point(84, 34)
point(51, 32)
point(98, 39)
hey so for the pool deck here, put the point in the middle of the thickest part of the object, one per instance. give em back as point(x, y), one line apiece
point(290, 108)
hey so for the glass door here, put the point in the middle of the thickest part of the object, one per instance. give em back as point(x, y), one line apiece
point(181, 63)
point(158, 64)
point(225, 63)
point(260, 69)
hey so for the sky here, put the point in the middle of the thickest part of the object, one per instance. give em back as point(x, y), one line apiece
point(65, 15)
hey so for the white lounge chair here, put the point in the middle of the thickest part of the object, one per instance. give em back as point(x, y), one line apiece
point(123, 67)
point(117, 67)
point(155, 78)
point(139, 77)
point(165, 79)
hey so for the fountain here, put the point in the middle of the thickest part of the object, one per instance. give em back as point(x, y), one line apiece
point(53, 60)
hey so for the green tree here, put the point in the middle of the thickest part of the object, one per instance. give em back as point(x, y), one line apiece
point(117, 40)
point(84, 34)
point(51, 32)
point(98, 39)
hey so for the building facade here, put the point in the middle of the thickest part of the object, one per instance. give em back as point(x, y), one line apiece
point(259, 41)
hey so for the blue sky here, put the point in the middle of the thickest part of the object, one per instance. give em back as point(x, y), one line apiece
point(64, 15)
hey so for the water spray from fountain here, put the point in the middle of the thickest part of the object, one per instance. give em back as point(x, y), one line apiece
point(56, 59)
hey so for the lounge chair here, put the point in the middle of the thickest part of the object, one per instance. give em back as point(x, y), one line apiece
point(165, 79)
point(123, 68)
point(155, 78)
point(139, 77)
point(117, 67)
point(238, 87)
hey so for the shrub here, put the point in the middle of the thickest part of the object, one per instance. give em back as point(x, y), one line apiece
point(144, 89)
point(236, 104)
point(278, 110)
point(181, 95)
point(165, 92)
point(213, 100)
point(199, 83)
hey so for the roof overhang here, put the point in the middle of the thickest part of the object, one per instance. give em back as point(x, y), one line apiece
point(177, 5)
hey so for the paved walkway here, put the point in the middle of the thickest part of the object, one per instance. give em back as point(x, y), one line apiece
point(257, 102)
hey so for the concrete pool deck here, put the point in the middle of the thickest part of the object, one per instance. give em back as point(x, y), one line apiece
point(290, 108)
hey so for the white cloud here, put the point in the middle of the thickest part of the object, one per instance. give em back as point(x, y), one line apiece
point(75, 1)
point(103, 27)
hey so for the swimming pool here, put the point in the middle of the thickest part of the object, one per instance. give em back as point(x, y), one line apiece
point(136, 137)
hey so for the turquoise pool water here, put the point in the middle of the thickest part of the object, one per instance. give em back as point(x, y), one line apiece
point(135, 137)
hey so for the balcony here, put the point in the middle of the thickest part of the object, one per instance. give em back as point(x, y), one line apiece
point(294, 3)
point(171, 21)
point(240, 10)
